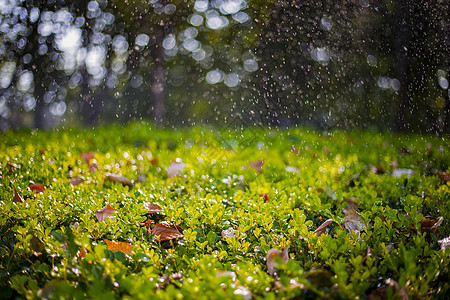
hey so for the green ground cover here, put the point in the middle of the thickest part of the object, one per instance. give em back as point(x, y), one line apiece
point(195, 213)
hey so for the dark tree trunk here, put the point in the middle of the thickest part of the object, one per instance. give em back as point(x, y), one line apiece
point(401, 44)
point(158, 89)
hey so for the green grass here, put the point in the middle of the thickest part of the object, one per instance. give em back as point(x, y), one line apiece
point(397, 251)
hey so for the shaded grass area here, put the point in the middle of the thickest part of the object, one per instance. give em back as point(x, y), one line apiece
point(271, 188)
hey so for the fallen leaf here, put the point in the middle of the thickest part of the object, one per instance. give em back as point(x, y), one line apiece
point(17, 197)
point(92, 168)
point(295, 150)
point(271, 256)
point(166, 231)
point(148, 224)
point(401, 172)
point(87, 156)
point(430, 225)
point(104, 213)
point(37, 187)
point(176, 167)
point(352, 221)
point(118, 246)
point(152, 207)
point(229, 233)
point(445, 243)
point(266, 197)
point(322, 228)
point(257, 165)
point(75, 181)
point(154, 161)
point(445, 177)
point(119, 178)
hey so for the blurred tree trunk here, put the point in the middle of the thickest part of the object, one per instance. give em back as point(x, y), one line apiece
point(38, 69)
point(158, 88)
point(401, 44)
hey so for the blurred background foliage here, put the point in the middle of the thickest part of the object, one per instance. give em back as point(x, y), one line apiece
point(327, 64)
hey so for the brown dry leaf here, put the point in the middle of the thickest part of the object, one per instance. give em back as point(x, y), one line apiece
point(322, 228)
point(272, 254)
point(229, 233)
point(431, 225)
point(119, 178)
point(87, 156)
point(176, 167)
point(265, 196)
point(445, 177)
point(92, 168)
point(352, 221)
point(152, 207)
point(148, 224)
point(17, 197)
point(104, 213)
point(154, 161)
point(257, 165)
point(37, 187)
point(118, 246)
point(166, 231)
point(295, 150)
point(75, 181)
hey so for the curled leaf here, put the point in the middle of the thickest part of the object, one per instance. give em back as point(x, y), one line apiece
point(148, 224)
point(37, 187)
point(229, 233)
point(87, 156)
point(76, 181)
point(118, 246)
point(152, 207)
point(266, 197)
point(119, 178)
point(257, 165)
point(271, 258)
point(17, 197)
point(104, 213)
point(431, 225)
point(352, 221)
point(166, 231)
point(176, 167)
point(322, 228)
